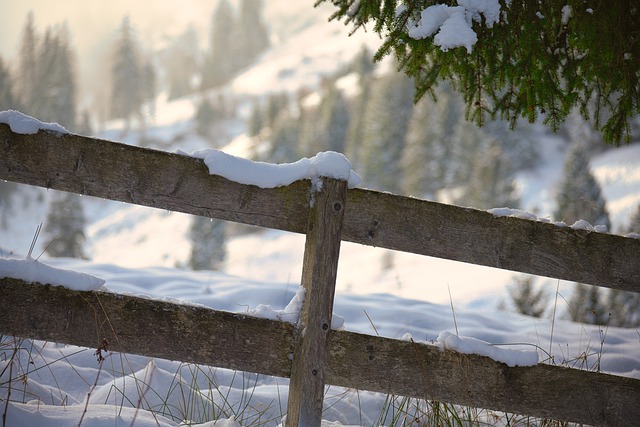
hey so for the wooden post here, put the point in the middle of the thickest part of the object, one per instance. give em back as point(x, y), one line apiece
point(322, 249)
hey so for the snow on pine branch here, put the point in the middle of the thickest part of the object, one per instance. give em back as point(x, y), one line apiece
point(452, 25)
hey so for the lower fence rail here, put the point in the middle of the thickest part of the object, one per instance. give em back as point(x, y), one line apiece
point(200, 335)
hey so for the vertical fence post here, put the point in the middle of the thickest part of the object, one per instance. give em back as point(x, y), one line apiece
point(322, 249)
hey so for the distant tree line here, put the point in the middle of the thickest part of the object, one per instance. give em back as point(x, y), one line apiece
point(398, 146)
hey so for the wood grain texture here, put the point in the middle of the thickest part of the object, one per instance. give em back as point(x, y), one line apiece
point(478, 237)
point(319, 271)
point(200, 335)
point(410, 369)
point(146, 327)
point(147, 177)
point(179, 183)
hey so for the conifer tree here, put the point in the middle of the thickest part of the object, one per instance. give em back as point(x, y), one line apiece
point(181, 62)
point(8, 100)
point(285, 140)
point(251, 35)
point(526, 299)
point(491, 182)
point(586, 305)
point(333, 121)
point(27, 78)
point(219, 65)
point(386, 120)
point(205, 117)
point(128, 88)
point(65, 226)
point(208, 243)
point(56, 85)
point(579, 195)
point(529, 60)
point(364, 66)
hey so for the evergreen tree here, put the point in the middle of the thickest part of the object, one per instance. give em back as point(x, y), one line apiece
point(491, 182)
point(27, 79)
point(527, 60)
point(426, 162)
point(363, 65)
point(586, 305)
point(579, 196)
point(208, 243)
point(128, 88)
point(56, 85)
point(65, 226)
point(526, 299)
point(7, 99)
point(385, 128)
point(205, 117)
point(255, 123)
point(182, 64)
point(333, 121)
point(219, 66)
point(251, 36)
point(285, 140)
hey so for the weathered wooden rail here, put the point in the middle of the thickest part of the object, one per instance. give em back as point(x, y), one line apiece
point(321, 355)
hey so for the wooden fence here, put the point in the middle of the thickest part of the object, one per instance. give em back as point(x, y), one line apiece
point(322, 356)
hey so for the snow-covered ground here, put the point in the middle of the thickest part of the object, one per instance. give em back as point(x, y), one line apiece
point(143, 251)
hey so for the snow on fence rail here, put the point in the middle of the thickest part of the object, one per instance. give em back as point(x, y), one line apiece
point(321, 356)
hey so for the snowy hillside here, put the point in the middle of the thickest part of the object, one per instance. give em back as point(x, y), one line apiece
point(145, 251)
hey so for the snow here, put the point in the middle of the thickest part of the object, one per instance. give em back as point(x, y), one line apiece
point(566, 14)
point(24, 124)
point(56, 389)
point(452, 24)
point(30, 270)
point(142, 251)
point(468, 345)
point(269, 175)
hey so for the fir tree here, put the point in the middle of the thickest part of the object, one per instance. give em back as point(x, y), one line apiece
point(181, 62)
point(579, 196)
point(491, 182)
point(255, 123)
point(205, 117)
point(386, 120)
point(128, 88)
point(285, 140)
point(27, 78)
point(526, 299)
point(539, 59)
point(219, 66)
point(586, 305)
point(333, 121)
point(7, 99)
point(251, 36)
point(208, 243)
point(56, 84)
point(65, 226)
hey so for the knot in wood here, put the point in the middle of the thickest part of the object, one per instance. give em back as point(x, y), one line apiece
point(337, 207)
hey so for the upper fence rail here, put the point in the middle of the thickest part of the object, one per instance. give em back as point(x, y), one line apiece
point(180, 183)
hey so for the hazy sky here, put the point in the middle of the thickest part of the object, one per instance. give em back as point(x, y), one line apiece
point(90, 21)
